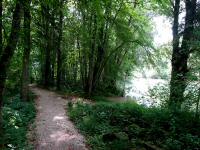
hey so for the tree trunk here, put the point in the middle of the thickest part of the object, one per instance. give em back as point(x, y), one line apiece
point(75, 72)
point(53, 47)
point(47, 64)
point(103, 36)
point(100, 55)
point(1, 89)
point(59, 53)
point(1, 117)
point(197, 105)
point(80, 62)
point(8, 53)
point(1, 27)
point(89, 85)
point(181, 54)
point(27, 50)
point(47, 73)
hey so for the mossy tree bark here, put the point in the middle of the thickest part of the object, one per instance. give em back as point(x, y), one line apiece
point(181, 53)
point(1, 27)
point(27, 50)
point(59, 52)
point(8, 53)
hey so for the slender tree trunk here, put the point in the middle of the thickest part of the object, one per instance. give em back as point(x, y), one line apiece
point(53, 47)
point(80, 62)
point(1, 88)
point(84, 62)
point(1, 27)
point(27, 50)
point(59, 53)
point(47, 64)
point(103, 36)
point(8, 53)
point(197, 107)
point(47, 73)
point(1, 117)
point(100, 56)
point(45, 13)
point(90, 82)
point(75, 72)
point(43, 46)
point(173, 92)
point(181, 54)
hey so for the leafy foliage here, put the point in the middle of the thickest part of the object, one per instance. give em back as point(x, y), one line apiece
point(17, 116)
point(128, 125)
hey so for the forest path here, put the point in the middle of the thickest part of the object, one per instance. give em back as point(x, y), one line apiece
point(54, 130)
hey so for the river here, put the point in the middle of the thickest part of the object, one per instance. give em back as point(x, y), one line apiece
point(137, 89)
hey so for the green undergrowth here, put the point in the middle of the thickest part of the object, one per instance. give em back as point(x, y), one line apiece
point(17, 116)
point(128, 126)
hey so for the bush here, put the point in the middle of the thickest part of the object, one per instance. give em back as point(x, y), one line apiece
point(160, 94)
point(128, 125)
point(17, 116)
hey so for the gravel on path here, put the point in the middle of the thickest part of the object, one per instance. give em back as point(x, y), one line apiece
point(54, 130)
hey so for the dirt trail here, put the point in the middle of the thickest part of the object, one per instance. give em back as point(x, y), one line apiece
point(54, 130)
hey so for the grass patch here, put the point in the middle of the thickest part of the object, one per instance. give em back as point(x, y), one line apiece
point(17, 116)
point(124, 126)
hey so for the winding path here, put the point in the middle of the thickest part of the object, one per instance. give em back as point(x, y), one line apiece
point(54, 130)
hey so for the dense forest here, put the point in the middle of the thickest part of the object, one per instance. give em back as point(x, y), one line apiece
point(87, 52)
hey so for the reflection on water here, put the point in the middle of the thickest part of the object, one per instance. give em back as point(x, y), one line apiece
point(138, 89)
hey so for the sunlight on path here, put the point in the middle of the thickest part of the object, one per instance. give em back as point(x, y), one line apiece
point(54, 130)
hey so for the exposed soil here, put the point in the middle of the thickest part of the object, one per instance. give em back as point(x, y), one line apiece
point(54, 130)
